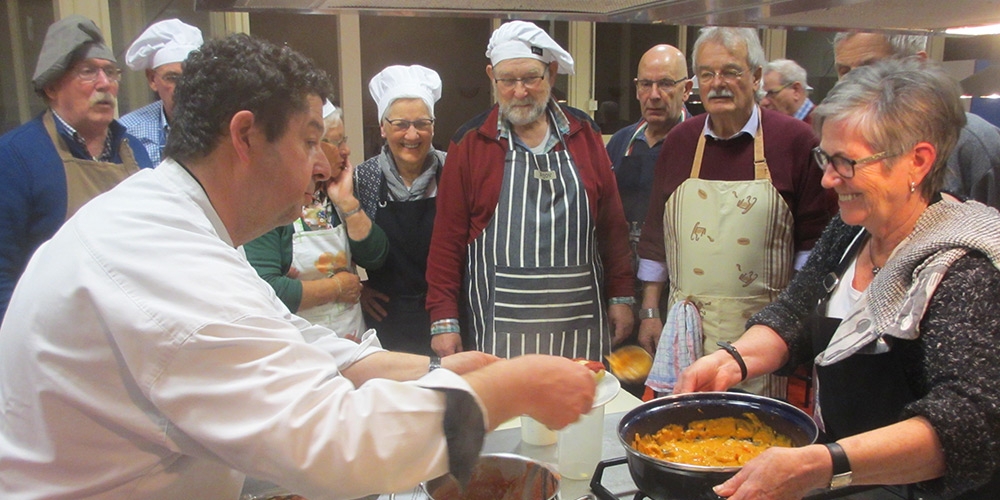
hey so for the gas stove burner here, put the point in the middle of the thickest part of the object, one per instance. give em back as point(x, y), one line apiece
point(598, 489)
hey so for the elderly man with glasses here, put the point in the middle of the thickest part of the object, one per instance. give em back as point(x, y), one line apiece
point(530, 239)
point(736, 206)
point(785, 89)
point(72, 152)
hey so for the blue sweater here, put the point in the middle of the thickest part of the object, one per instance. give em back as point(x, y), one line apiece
point(33, 193)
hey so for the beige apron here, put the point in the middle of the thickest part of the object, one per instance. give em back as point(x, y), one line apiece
point(317, 254)
point(86, 179)
point(729, 250)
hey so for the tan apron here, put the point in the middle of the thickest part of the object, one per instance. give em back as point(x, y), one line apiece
point(86, 179)
point(729, 250)
point(317, 254)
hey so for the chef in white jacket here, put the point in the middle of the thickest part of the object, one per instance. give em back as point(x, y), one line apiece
point(142, 357)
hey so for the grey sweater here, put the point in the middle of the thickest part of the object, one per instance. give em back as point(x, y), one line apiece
point(954, 364)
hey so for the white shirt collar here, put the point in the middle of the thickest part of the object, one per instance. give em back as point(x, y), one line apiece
point(750, 128)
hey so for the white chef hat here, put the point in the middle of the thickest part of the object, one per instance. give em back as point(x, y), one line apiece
point(519, 39)
point(328, 109)
point(162, 43)
point(401, 82)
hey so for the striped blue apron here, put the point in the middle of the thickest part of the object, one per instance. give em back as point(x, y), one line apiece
point(534, 277)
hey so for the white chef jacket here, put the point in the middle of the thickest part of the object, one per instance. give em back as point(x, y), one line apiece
point(143, 357)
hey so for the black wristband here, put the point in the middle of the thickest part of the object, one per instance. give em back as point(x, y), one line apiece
point(736, 355)
point(841, 475)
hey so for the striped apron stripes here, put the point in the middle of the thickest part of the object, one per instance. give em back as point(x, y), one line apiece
point(534, 276)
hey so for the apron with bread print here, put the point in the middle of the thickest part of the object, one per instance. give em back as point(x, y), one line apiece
point(320, 253)
point(729, 251)
point(86, 179)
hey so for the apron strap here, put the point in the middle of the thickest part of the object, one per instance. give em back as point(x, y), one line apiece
point(760, 170)
point(50, 126)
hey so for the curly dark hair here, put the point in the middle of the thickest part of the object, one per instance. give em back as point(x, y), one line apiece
point(239, 73)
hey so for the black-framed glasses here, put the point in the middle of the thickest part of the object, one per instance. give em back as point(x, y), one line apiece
point(88, 73)
point(401, 125)
point(529, 82)
point(843, 165)
point(728, 75)
point(773, 92)
point(664, 84)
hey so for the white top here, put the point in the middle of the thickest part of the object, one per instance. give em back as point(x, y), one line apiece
point(142, 357)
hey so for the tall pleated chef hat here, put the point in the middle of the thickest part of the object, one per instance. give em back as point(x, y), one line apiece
point(68, 41)
point(162, 43)
point(401, 82)
point(519, 39)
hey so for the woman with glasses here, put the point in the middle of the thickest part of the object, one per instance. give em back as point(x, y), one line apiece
point(311, 263)
point(896, 306)
point(397, 189)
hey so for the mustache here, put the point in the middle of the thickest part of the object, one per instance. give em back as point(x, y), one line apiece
point(720, 93)
point(103, 98)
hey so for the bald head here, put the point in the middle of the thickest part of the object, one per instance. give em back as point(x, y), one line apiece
point(660, 101)
point(664, 57)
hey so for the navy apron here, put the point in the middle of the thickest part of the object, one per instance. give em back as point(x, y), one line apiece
point(533, 278)
point(408, 226)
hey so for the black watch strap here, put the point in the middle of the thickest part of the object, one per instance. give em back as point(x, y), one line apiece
point(841, 466)
point(435, 363)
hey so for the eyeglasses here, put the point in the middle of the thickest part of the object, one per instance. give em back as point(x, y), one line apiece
point(170, 78)
point(529, 82)
point(728, 75)
point(400, 125)
point(771, 93)
point(341, 142)
point(845, 166)
point(89, 73)
point(664, 84)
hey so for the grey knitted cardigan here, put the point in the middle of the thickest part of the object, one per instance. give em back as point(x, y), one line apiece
point(954, 363)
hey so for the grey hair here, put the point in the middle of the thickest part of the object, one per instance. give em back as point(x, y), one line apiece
point(731, 39)
point(336, 117)
point(789, 71)
point(901, 45)
point(895, 104)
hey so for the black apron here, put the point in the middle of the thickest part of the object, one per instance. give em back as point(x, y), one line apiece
point(865, 391)
point(408, 226)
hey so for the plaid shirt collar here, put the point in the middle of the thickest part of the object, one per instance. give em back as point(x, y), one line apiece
point(107, 154)
point(805, 109)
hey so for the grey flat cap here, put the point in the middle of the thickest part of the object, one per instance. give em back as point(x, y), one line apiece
point(67, 41)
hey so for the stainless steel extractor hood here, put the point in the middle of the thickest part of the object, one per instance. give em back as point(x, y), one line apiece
point(916, 16)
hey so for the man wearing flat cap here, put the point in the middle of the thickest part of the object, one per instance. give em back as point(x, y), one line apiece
point(72, 152)
point(530, 238)
point(159, 51)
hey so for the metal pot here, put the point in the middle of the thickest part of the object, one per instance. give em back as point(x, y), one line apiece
point(499, 476)
point(662, 480)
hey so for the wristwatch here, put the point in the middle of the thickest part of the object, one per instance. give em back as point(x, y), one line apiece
point(649, 313)
point(434, 364)
point(841, 467)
